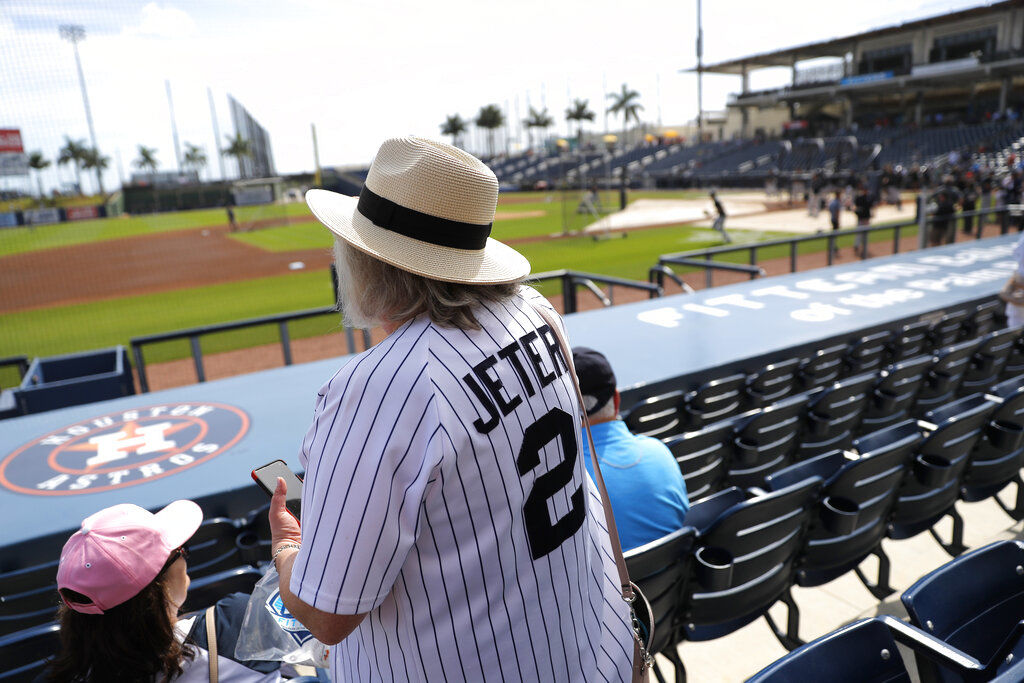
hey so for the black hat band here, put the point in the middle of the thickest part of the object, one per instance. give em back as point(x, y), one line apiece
point(443, 232)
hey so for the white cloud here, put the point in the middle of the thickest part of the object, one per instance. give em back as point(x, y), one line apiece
point(163, 22)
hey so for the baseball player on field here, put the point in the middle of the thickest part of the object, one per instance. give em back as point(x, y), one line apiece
point(449, 529)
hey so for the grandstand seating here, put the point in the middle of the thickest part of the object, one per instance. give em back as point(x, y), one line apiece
point(834, 415)
point(209, 589)
point(895, 392)
point(26, 652)
point(765, 440)
point(867, 353)
point(999, 453)
point(27, 597)
point(986, 364)
point(773, 382)
point(944, 376)
point(703, 458)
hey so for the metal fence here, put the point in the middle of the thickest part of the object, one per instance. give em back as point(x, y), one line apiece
point(195, 334)
point(705, 259)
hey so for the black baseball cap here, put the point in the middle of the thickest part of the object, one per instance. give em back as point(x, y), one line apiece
point(597, 381)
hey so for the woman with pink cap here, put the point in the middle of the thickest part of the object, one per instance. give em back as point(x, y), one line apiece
point(122, 579)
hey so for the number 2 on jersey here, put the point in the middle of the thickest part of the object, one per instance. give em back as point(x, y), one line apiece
point(543, 534)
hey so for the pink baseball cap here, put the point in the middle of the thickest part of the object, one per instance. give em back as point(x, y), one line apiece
point(120, 550)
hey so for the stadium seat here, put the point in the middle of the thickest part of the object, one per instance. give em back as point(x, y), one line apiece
point(773, 382)
point(704, 457)
point(983, 319)
point(657, 417)
point(28, 597)
point(974, 603)
point(660, 568)
point(713, 401)
point(999, 453)
point(254, 536)
point(213, 547)
point(947, 371)
point(766, 439)
point(823, 367)
point(988, 360)
point(867, 353)
point(207, 590)
point(834, 414)
point(895, 393)
point(851, 519)
point(911, 340)
point(24, 654)
point(866, 652)
point(1015, 361)
point(941, 459)
point(745, 557)
point(948, 329)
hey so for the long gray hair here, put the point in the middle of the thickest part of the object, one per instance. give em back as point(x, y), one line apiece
point(372, 292)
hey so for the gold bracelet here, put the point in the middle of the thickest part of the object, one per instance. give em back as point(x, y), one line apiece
point(283, 547)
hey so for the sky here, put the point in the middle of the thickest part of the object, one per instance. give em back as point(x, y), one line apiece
point(366, 70)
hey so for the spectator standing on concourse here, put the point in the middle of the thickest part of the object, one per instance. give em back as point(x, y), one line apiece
point(646, 489)
point(449, 530)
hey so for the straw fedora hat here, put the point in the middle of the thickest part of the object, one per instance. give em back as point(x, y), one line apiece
point(427, 208)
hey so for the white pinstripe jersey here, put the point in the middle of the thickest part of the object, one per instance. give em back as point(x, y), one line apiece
point(444, 496)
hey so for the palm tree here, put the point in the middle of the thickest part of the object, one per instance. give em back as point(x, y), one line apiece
point(147, 160)
point(579, 112)
point(537, 119)
point(490, 118)
point(37, 162)
point(92, 159)
point(239, 148)
point(625, 103)
point(195, 157)
point(454, 125)
point(72, 153)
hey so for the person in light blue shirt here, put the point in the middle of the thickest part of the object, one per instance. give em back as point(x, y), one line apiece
point(646, 489)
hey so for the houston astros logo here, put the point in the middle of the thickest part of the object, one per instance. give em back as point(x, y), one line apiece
point(123, 448)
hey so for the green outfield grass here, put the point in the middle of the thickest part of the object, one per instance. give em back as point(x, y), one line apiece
point(19, 240)
point(105, 323)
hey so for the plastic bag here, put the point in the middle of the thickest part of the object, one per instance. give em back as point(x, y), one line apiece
point(270, 633)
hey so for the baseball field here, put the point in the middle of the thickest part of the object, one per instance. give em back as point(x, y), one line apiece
point(92, 284)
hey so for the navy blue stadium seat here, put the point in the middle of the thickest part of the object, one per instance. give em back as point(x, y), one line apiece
point(657, 417)
point(703, 457)
point(865, 652)
point(930, 493)
point(999, 453)
point(660, 568)
point(766, 439)
point(745, 557)
point(987, 363)
point(851, 519)
point(823, 367)
point(948, 329)
point(773, 382)
point(74, 379)
point(207, 590)
point(713, 401)
point(24, 654)
point(983, 319)
point(909, 341)
point(1014, 366)
point(944, 376)
point(254, 536)
point(895, 393)
point(213, 547)
point(28, 597)
point(974, 603)
point(834, 415)
point(868, 353)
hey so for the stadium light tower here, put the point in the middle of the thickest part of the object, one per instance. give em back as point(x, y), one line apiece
point(700, 75)
point(74, 34)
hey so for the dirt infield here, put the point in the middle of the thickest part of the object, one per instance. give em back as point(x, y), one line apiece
point(140, 265)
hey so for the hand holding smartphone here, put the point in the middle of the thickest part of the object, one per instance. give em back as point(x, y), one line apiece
point(266, 477)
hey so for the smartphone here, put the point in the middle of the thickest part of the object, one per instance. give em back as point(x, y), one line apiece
point(266, 477)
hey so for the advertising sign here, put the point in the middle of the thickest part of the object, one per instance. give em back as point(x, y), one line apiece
point(13, 163)
point(10, 141)
point(41, 216)
point(262, 194)
point(78, 213)
point(944, 67)
point(867, 78)
point(8, 220)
